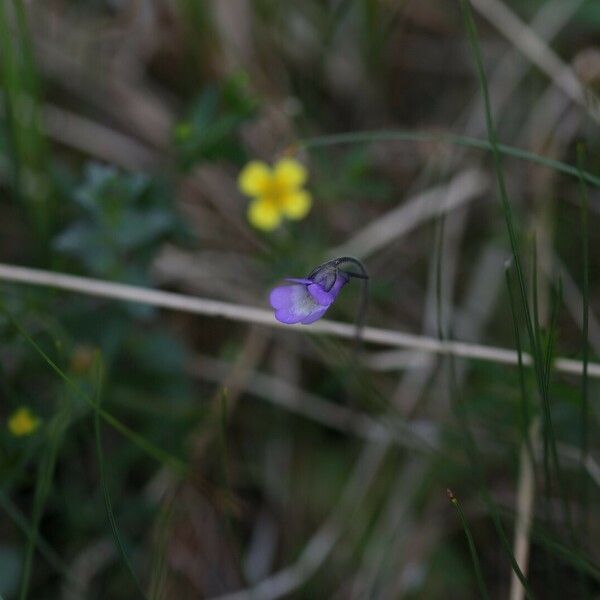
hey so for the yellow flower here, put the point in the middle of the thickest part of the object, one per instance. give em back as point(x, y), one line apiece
point(276, 193)
point(22, 422)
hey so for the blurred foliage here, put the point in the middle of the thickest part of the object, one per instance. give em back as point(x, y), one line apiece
point(116, 224)
point(211, 132)
point(197, 89)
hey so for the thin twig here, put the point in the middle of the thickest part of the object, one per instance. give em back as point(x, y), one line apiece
point(250, 314)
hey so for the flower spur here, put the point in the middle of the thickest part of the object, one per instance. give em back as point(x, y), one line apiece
point(308, 299)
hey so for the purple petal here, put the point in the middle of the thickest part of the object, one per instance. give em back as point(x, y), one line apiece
point(304, 302)
point(320, 295)
point(292, 303)
point(317, 314)
point(340, 282)
point(283, 315)
point(281, 297)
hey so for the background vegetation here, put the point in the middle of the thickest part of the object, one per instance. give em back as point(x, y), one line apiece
point(188, 456)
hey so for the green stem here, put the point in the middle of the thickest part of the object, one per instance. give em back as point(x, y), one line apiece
point(155, 452)
point(368, 137)
point(104, 484)
point(472, 549)
point(585, 289)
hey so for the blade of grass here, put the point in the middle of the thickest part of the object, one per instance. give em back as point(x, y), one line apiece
point(439, 243)
point(585, 291)
point(502, 192)
point(573, 557)
point(525, 420)
point(551, 435)
point(9, 476)
point(20, 520)
point(473, 456)
point(21, 85)
point(48, 553)
point(56, 430)
point(366, 137)
point(460, 410)
point(542, 364)
point(535, 297)
point(524, 507)
point(104, 484)
point(537, 330)
point(11, 86)
point(525, 417)
point(158, 577)
point(158, 454)
point(472, 549)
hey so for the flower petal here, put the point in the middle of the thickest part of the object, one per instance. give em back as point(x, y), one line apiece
point(264, 215)
point(281, 297)
point(320, 295)
point(254, 178)
point(296, 205)
point(292, 303)
point(290, 173)
point(340, 281)
point(317, 314)
point(22, 422)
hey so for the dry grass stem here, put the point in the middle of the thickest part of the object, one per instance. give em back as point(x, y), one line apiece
point(538, 52)
point(461, 189)
point(327, 413)
point(321, 544)
point(524, 510)
point(250, 314)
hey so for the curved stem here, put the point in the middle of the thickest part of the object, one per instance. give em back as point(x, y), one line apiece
point(363, 306)
point(363, 276)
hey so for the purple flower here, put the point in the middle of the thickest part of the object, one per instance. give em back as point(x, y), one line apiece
point(308, 299)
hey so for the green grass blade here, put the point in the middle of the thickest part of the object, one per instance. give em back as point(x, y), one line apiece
point(158, 571)
point(585, 291)
point(472, 549)
point(31, 183)
point(56, 430)
point(158, 454)
point(473, 454)
point(542, 363)
point(538, 336)
point(439, 244)
point(20, 520)
point(548, 409)
point(105, 491)
point(497, 161)
point(460, 411)
point(572, 557)
point(11, 87)
point(525, 417)
point(367, 137)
